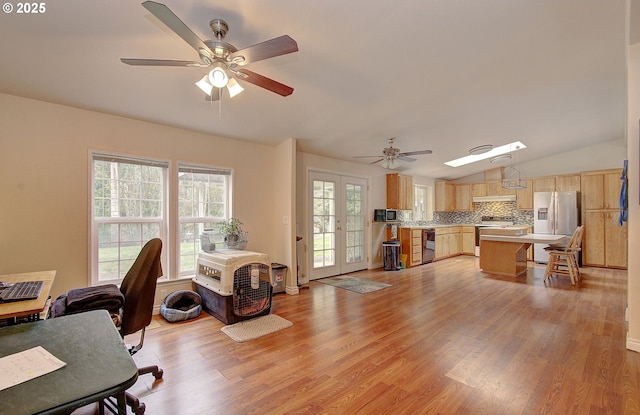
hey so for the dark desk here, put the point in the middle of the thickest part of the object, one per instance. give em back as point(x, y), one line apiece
point(98, 364)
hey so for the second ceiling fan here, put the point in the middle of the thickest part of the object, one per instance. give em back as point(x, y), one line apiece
point(391, 155)
point(226, 62)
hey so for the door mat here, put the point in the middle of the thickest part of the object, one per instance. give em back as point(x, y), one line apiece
point(354, 284)
point(256, 327)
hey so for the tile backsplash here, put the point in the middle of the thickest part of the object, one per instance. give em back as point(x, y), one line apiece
point(520, 217)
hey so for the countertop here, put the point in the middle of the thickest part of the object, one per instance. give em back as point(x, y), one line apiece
point(436, 226)
point(530, 238)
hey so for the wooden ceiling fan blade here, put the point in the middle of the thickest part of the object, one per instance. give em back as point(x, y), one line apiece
point(161, 62)
point(269, 49)
point(264, 82)
point(173, 22)
point(405, 158)
point(377, 161)
point(361, 157)
point(416, 153)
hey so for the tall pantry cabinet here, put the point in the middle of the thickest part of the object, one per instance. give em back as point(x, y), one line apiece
point(604, 243)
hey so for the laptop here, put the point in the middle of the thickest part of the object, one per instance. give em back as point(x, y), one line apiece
point(26, 290)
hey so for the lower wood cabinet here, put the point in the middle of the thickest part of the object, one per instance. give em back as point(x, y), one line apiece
point(605, 243)
point(468, 240)
point(448, 241)
point(411, 245)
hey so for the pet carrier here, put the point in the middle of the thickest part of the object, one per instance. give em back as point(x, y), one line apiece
point(234, 285)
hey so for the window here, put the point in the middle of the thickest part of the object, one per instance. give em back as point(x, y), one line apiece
point(422, 203)
point(130, 205)
point(129, 208)
point(202, 202)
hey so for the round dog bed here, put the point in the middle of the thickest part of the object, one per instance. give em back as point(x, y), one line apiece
point(181, 305)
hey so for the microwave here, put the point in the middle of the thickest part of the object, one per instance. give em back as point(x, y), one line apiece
point(385, 215)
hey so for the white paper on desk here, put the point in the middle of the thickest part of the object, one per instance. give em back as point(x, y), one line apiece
point(29, 364)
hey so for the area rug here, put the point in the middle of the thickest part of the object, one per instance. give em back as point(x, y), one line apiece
point(256, 327)
point(354, 284)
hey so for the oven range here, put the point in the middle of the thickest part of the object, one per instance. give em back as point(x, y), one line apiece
point(491, 222)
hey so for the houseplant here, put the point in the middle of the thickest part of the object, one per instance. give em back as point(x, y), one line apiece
point(234, 236)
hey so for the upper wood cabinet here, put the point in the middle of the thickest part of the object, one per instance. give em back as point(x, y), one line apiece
point(560, 183)
point(568, 182)
point(544, 184)
point(524, 197)
point(445, 196)
point(494, 188)
point(601, 189)
point(478, 189)
point(399, 191)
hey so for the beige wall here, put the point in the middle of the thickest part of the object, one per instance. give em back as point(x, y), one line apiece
point(44, 170)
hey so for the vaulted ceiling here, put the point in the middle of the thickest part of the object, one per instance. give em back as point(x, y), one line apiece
point(435, 74)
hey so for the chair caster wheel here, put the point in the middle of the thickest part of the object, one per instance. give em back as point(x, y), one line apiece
point(158, 374)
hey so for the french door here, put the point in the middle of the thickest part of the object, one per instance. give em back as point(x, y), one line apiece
point(337, 208)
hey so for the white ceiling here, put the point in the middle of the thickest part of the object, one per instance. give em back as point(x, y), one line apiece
point(445, 75)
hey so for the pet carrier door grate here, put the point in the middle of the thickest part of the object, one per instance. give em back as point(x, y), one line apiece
point(252, 289)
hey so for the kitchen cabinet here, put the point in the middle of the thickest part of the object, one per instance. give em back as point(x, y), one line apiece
point(478, 189)
point(411, 245)
point(494, 188)
point(447, 242)
point(568, 182)
point(468, 240)
point(463, 197)
point(445, 195)
point(524, 197)
point(399, 191)
point(604, 243)
point(544, 184)
point(601, 189)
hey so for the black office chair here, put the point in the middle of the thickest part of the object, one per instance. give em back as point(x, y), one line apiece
point(139, 289)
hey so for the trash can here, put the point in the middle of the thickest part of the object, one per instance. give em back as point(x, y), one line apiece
point(279, 273)
point(391, 254)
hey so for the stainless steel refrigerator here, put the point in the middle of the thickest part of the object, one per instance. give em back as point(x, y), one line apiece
point(555, 213)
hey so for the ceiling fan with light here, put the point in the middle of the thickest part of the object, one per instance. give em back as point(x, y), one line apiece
point(226, 62)
point(391, 156)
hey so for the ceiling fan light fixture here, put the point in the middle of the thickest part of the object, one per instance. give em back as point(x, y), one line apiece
point(234, 88)
point(218, 76)
point(205, 85)
point(394, 164)
point(500, 158)
point(480, 149)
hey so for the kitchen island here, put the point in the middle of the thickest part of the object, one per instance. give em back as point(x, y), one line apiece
point(507, 255)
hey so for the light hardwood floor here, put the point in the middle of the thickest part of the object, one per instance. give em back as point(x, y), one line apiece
point(445, 338)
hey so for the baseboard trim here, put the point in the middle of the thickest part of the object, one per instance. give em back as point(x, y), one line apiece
point(633, 344)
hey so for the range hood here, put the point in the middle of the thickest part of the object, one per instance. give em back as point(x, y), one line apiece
point(506, 198)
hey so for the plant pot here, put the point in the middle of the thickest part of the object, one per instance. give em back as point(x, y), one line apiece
point(235, 241)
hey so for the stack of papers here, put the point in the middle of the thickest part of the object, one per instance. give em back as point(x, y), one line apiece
point(23, 366)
